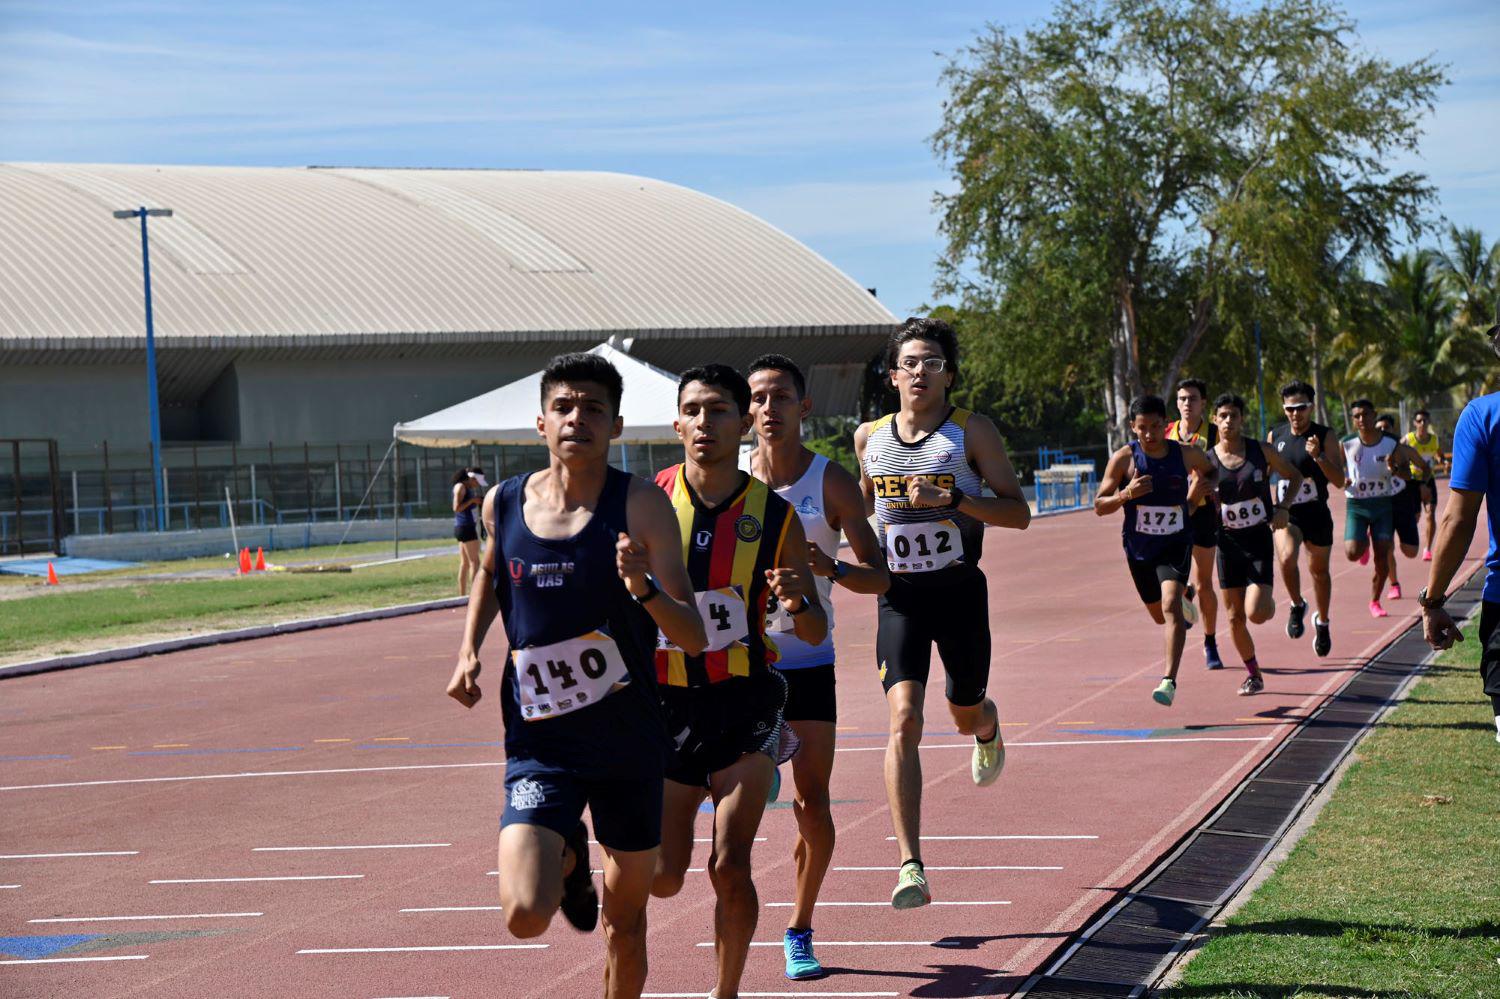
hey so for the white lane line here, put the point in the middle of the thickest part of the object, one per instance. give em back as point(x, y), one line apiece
point(929, 867)
point(10, 886)
point(696, 839)
point(849, 943)
point(1057, 742)
point(372, 846)
point(78, 960)
point(458, 908)
point(255, 773)
point(820, 904)
point(768, 995)
point(411, 997)
point(100, 853)
point(111, 919)
point(891, 839)
point(283, 877)
point(413, 950)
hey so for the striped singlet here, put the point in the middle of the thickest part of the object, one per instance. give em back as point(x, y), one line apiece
point(924, 545)
point(727, 551)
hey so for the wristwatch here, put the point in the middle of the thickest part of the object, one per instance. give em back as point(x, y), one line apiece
point(806, 603)
point(840, 570)
point(958, 497)
point(651, 592)
point(1430, 603)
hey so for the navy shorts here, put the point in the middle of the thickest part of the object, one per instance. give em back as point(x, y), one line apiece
point(626, 812)
point(810, 694)
point(1173, 561)
point(1204, 523)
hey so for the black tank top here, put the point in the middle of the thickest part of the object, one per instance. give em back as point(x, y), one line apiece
point(1244, 491)
point(1293, 447)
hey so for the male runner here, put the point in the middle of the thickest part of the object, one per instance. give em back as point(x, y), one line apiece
point(921, 471)
point(569, 566)
point(1312, 448)
point(1193, 427)
point(1246, 519)
point(745, 550)
point(1424, 440)
point(1405, 503)
point(827, 500)
point(1372, 458)
point(1149, 478)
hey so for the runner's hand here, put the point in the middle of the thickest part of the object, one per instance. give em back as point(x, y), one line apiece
point(922, 491)
point(1314, 447)
point(632, 563)
point(820, 563)
point(1280, 518)
point(1439, 629)
point(1139, 486)
point(464, 685)
point(788, 586)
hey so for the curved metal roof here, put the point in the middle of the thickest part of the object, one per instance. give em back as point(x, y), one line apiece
point(290, 257)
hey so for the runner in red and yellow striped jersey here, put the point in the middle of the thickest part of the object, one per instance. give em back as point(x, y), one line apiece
point(1193, 428)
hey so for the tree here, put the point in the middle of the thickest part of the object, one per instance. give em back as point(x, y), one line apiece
point(1471, 272)
point(1131, 165)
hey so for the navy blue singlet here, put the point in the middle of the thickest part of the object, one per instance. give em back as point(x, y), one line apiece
point(1150, 522)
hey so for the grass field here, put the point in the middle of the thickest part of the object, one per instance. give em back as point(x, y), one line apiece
point(1395, 890)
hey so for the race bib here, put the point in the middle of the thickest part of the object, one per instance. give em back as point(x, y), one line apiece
point(1307, 492)
point(923, 547)
point(724, 619)
point(1159, 520)
point(562, 677)
point(1398, 485)
point(1245, 514)
point(1368, 489)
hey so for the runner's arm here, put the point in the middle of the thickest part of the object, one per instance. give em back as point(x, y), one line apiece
point(1116, 486)
point(846, 503)
point(791, 583)
point(1008, 507)
point(654, 544)
point(1290, 473)
point(461, 501)
point(1404, 459)
point(1207, 477)
point(463, 686)
point(1454, 533)
point(866, 487)
point(1331, 460)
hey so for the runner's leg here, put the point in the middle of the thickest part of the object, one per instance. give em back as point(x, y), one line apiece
point(1260, 603)
point(1203, 579)
point(628, 877)
point(531, 875)
point(1288, 541)
point(1170, 610)
point(1318, 557)
point(1234, 606)
point(739, 792)
point(812, 769)
point(1383, 556)
point(679, 809)
point(903, 768)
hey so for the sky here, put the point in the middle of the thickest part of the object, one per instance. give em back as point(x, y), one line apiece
point(814, 116)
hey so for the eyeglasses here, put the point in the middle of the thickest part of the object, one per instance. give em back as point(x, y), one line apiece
point(931, 365)
point(1296, 407)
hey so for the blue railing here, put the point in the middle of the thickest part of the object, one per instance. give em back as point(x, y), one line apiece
point(1064, 481)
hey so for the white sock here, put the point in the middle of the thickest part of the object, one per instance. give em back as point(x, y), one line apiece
point(1497, 726)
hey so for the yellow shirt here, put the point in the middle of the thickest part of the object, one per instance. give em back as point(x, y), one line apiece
point(1430, 452)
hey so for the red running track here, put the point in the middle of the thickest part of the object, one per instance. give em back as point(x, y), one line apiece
point(160, 778)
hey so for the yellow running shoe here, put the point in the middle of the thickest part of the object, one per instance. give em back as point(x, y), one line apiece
point(989, 760)
point(911, 887)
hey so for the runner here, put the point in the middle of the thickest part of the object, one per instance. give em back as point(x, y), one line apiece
point(466, 503)
point(1405, 503)
point(1246, 549)
point(1372, 459)
point(745, 549)
point(1149, 478)
point(827, 500)
point(922, 469)
point(1424, 440)
point(1193, 427)
point(1312, 449)
point(580, 543)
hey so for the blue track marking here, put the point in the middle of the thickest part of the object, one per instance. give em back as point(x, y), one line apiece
point(28, 948)
point(43, 756)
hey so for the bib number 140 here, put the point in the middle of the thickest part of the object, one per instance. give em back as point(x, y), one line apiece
point(564, 676)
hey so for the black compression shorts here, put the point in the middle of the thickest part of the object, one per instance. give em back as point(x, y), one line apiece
point(955, 618)
point(1172, 563)
point(1246, 557)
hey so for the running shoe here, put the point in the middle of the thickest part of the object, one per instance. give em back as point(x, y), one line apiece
point(911, 887)
point(1294, 620)
point(1165, 691)
point(1427, 555)
point(1189, 609)
point(1365, 558)
point(989, 760)
point(800, 963)
point(1211, 658)
point(580, 902)
point(1395, 592)
point(1322, 640)
point(775, 789)
point(1376, 610)
point(1253, 685)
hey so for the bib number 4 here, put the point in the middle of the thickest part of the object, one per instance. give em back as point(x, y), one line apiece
point(562, 677)
point(922, 547)
point(724, 619)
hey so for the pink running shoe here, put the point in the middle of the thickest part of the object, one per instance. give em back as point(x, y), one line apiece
point(1365, 558)
point(1427, 555)
point(1395, 592)
point(1376, 610)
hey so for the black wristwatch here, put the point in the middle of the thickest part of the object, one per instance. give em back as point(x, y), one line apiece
point(650, 593)
point(958, 497)
point(806, 603)
point(840, 570)
point(1430, 603)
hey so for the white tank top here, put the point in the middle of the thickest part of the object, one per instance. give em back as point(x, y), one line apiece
point(806, 497)
point(1369, 475)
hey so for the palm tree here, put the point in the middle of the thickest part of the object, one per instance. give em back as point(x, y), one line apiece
point(1471, 272)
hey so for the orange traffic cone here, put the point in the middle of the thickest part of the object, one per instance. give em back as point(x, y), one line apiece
point(51, 575)
point(244, 561)
point(260, 559)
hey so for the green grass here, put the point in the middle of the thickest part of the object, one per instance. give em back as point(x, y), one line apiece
point(59, 622)
point(1385, 896)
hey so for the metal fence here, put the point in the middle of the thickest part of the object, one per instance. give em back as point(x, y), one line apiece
point(31, 502)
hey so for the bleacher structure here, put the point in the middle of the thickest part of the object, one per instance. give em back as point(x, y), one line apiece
point(1064, 481)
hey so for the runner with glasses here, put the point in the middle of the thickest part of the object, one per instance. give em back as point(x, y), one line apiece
point(1196, 429)
point(1314, 450)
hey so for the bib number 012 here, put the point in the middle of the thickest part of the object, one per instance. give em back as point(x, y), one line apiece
point(922, 547)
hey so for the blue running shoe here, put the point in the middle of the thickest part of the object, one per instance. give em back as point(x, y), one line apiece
point(1211, 658)
point(800, 963)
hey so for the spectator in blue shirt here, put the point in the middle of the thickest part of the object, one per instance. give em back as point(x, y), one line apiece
point(1476, 480)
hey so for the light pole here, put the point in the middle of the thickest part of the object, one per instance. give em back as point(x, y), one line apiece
point(156, 483)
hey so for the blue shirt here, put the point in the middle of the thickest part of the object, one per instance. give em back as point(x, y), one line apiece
point(1476, 468)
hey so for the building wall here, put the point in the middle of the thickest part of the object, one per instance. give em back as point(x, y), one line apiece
point(76, 404)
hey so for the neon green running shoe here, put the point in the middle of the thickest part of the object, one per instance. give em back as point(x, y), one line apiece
point(1164, 692)
point(911, 887)
point(989, 760)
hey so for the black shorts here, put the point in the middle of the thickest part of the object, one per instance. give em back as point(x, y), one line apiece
point(1315, 521)
point(1204, 523)
point(1404, 508)
point(712, 727)
point(1246, 557)
point(1489, 651)
point(626, 812)
point(955, 618)
point(1173, 562)
point(1426, 492)
point(810, 694)
point(468, 532)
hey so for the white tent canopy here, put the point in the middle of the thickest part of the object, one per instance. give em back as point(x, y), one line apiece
point(507, 415)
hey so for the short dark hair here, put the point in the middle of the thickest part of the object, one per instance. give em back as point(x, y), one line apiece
point(1361, 404)
point(1386, 418)
point(924, 328)
point(1148, 405)
point(573, 368)
point(782, 363)
point(462, 475)
point(1299, 388)
point(1195, 383)
point(718, 376)
point(1229, 399)
point(1421, 412)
